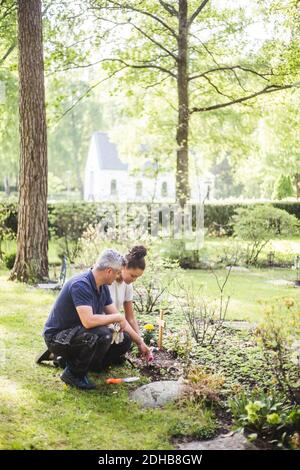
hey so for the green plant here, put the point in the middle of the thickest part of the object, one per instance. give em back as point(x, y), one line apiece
point(267, 416)
point(151, 288)
point(204, 317)
point(275, 336)
point(283, 187)
point(260, 224)
point(5, 232)
point(9, 260)
point(67, 225)
point(148, 334)
point(202, 386)
point(180, 344)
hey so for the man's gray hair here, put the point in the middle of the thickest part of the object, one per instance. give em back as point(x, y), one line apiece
point(109, 259)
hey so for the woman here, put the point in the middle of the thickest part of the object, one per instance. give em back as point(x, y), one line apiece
point(121, 290)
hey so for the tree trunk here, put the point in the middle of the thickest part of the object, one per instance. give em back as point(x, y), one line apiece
point(182, 169)
point(32, 240)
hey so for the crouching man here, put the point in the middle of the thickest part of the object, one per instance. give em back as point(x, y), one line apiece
point(79, 332)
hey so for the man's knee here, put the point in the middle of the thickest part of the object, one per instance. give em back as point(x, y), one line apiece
point(103, 332)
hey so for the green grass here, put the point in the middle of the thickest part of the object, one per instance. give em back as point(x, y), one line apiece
point(248, 291)
point(37, 411)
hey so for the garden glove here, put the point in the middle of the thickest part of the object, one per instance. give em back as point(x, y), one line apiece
point(118, 335)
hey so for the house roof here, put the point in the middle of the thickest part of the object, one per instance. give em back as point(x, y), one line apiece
point(107, 153)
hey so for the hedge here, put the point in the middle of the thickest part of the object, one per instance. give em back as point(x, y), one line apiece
point(217, 216)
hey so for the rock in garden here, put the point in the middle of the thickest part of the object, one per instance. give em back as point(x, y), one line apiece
point(231, 441)
point(158, 394)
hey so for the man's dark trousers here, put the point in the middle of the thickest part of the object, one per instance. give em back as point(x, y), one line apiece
point(87, 349)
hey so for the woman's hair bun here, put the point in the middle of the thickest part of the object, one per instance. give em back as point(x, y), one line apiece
point(137, 252)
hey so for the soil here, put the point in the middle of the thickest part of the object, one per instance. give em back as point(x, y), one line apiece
point(164, 366)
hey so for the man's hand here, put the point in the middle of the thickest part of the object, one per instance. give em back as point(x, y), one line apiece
point(145, 351)
point(122, 323)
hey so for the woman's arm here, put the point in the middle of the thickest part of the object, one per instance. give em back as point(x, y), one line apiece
point(130, 316)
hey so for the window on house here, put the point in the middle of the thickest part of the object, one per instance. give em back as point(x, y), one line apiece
point(113, 187)
point(164, 189)
point(139, 189)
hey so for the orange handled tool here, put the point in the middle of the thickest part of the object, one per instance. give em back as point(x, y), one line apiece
point(119, 380)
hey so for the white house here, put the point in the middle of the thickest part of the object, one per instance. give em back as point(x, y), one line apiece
point(107, 178)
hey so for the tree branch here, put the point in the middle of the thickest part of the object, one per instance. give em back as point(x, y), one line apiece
point(87, 92)
point(8, 52)
point(128, 7)
point(169, 8)
point(196, 12)
point(230, 68)
point(216, 88)
point(142, 66)
point(174, 56)
point(268, 89)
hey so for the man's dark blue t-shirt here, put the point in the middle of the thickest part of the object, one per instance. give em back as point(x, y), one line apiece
point(79, 290)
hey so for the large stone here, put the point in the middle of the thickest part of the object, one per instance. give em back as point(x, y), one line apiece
point(231, 441)
point(158, 394)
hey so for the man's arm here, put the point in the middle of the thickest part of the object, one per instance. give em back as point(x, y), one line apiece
point(89, 320)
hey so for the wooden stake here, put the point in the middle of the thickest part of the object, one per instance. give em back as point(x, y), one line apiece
point(161, 324)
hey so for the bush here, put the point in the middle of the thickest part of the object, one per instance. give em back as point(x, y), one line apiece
point(275, 335)
point(202, 387)
point(260, 224)
point(217, 216)
point(283, 187)
point(204, 317)
point(267, 416)
point(9, 260)
point(5, 232)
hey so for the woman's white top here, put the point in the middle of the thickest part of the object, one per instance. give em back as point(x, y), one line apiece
point(120, 292)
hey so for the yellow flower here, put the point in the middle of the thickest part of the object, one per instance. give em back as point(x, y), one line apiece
point(149, 327)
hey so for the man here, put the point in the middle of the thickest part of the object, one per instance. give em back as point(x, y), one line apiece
point(77, 330)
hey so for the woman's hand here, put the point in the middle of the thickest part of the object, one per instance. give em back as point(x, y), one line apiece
point(145, 351)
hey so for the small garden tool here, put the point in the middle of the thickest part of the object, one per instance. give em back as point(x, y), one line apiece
point(121, 380)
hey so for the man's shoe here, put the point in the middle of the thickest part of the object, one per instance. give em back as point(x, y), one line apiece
point(60, 362)
point(80, 382)
point(44, 356)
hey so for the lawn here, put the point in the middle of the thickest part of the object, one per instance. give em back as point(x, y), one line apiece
point(248, 291)
point(38, 412)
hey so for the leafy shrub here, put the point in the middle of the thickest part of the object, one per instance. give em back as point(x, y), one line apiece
point(204, 317)
point(5, 232)
point(275, 335)
point(67, 225)
point(180, 344)
point(260, 224)
point(202, 386)
point(267, 416)
point(9, 260)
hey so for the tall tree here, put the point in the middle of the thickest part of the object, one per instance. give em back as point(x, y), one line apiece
point(32, 239)
point(200, 46)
